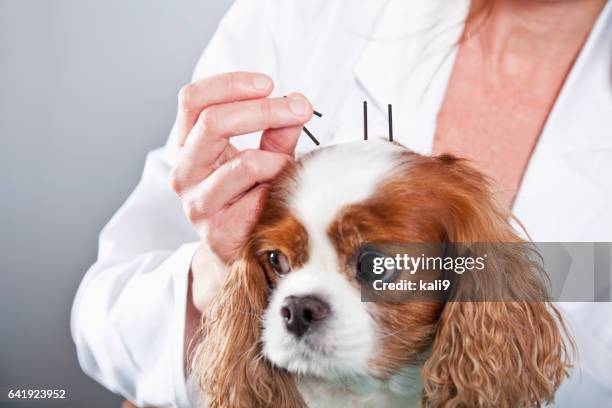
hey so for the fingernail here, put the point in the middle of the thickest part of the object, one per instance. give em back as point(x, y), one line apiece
point(261, 82)
point(298, 106)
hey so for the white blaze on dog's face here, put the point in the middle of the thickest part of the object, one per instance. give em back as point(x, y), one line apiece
point(341, 336)
point(307, 241)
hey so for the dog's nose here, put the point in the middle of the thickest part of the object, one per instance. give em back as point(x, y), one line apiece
point(302, 312)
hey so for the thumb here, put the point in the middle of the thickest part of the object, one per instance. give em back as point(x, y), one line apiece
point(283, 140)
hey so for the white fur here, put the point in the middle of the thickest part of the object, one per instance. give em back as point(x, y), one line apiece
point(363, 392)
point(340, 175)
point(332, 361)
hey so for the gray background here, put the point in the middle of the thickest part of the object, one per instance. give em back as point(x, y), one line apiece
point(86, 89)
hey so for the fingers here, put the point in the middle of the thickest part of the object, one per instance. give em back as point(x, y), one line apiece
point(209, 137)
point(223, 88)
point(232, 180)
point(224, 206)
point(221, 189)
point(239, 118)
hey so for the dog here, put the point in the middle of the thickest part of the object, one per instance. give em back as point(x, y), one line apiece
point(289, 328)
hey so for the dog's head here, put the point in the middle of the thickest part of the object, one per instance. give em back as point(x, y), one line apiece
point(291, 303)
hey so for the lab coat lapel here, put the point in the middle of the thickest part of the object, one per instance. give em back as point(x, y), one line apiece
point(587, 92)
point(575, 149)
point(410, 43)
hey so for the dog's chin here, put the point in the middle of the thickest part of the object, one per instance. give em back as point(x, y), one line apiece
point(316, 354)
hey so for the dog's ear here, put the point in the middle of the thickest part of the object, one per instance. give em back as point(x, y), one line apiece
point(508, 347)
point(228, 361)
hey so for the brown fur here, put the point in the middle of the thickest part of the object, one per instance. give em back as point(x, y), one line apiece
point(495, 353)
point(502, 354)
point(228, 360)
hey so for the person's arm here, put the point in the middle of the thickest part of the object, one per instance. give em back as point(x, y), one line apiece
point(128, 317)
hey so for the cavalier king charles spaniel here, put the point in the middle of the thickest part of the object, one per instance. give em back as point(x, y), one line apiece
point(288, 328)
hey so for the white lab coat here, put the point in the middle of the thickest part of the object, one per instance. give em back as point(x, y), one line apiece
point(128, 315)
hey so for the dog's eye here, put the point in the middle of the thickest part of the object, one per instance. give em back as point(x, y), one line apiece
point(279, 262)
point(373, 266)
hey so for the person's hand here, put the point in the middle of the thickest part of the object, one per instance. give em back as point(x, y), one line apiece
point(220, 187)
